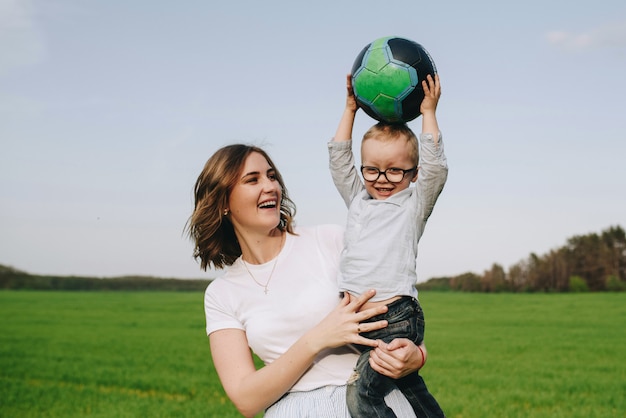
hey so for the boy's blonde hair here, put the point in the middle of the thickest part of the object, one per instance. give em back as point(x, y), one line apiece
point(393, 132)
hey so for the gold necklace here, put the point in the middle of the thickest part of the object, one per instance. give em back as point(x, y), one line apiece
point(264, 286)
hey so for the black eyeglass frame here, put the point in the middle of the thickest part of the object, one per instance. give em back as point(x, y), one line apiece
point(384, 173)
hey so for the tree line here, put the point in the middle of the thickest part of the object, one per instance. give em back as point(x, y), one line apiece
point(11, 278)
point(592, 262)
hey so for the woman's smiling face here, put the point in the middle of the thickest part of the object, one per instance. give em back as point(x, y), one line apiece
point(254, 202)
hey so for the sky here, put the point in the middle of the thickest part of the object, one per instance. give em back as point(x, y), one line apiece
point(109, 110)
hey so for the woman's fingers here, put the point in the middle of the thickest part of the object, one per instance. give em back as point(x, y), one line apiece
point(359, 301)
point(371, 326)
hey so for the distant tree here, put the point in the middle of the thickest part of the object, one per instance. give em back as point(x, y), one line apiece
point(614, 284)
point(8, 270)
point(467, 282)
point(517, 277)
point(595, 257)
point(614, 239)
point(577, 284)
point(493, 280)
point(537, 275)
point(558, 270)
point(436, 283)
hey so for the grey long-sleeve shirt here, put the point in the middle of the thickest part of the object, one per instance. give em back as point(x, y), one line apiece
point(380, 243)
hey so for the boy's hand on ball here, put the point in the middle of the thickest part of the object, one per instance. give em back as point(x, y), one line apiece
point(432, 93)
point(351, 103)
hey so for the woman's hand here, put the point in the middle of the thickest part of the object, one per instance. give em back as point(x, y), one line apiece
point(344, 324)
point(398, 358)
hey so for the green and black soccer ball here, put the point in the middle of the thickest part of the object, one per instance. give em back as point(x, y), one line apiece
point(387, 78)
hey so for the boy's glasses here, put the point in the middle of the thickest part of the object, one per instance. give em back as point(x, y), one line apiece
point(393, 174)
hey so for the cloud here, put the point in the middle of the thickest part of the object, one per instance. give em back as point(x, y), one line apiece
point(609, 35)
point(20, 41)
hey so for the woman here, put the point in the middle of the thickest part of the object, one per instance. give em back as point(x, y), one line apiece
point(279, 296)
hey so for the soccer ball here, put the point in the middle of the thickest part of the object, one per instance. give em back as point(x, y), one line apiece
point(387, 78)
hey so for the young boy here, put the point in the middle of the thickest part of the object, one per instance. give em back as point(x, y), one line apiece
point(386, 219)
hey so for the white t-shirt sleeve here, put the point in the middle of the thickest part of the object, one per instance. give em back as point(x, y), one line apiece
point(218, 316)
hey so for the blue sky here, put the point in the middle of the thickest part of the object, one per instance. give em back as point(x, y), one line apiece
point(109, 110)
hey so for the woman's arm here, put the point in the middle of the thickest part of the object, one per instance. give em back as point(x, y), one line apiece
point(251, 390)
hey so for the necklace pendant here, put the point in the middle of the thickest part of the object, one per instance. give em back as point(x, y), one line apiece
point(267, 282)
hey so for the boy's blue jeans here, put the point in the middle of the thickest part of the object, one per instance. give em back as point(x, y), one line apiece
point(367, 388)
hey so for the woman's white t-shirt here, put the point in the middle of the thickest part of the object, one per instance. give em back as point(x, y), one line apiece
point(302, 291)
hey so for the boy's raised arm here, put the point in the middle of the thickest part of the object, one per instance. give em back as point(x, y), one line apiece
point(344, 130)
point(432, 93)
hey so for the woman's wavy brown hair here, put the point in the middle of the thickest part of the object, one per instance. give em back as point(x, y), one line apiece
point(212, 232)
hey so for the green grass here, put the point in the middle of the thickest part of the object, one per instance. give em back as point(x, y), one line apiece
point(527, 355)
point(139, 354)
point(106, 354)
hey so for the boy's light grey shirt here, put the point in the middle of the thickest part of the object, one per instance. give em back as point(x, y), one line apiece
point(380, 243)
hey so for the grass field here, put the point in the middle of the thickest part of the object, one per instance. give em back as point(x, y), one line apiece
point(144, 354)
